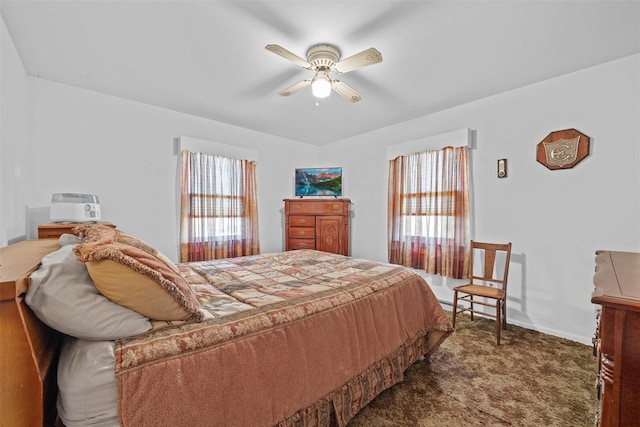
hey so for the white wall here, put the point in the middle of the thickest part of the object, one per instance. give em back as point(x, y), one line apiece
point(556, 220)
point(125, 152)
point(14, 140)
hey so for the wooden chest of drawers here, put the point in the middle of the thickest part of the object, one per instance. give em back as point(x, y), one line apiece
point(617, 340)
point(321, 224)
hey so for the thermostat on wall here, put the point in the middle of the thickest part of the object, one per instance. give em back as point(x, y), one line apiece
point(502, 168)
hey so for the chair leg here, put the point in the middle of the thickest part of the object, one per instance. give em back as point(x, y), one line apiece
point(498, 320)
point(504, 314)
point(471, 302)
point(455, 307)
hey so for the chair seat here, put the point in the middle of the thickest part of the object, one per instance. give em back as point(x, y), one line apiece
point(482, 291)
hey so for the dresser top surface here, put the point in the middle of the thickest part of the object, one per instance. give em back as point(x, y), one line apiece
point(20, 258)
point(318, 199)
point(617, 275)
point(71, 224)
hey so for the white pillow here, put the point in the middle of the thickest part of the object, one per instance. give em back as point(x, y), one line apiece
point(87, 393)
point(62, 295)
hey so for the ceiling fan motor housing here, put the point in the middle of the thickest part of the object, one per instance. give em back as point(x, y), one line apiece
point(323, 55)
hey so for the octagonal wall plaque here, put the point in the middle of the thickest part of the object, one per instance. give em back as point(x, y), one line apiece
point(562, 149)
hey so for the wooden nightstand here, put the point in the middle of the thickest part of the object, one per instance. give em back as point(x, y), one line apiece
point(56, 229)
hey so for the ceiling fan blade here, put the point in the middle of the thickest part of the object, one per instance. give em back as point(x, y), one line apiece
point(366, 57)
point(345, 91)
point(294, 88)
point(279, 50)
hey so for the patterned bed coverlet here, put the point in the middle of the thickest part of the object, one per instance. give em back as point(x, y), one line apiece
point(290, 338)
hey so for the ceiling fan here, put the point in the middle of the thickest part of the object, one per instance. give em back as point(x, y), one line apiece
point(324, 59)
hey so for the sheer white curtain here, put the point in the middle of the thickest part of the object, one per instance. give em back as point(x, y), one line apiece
point(428, 218)
point(219, 208)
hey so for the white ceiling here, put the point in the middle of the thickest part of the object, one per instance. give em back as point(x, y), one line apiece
point(207, 58)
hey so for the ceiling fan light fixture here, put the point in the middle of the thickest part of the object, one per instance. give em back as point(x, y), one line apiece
point(321, 87)
point(321, 84)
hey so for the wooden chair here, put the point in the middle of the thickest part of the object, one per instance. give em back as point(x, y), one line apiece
point(491, 290)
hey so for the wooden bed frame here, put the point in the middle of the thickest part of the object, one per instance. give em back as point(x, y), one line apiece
point(28, 348)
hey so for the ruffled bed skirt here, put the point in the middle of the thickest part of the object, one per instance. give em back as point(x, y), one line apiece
point(338, 407)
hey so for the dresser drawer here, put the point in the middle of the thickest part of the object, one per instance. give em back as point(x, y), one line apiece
point(302, 244)
point(318, 207)
point(52, 234)
point(302, 233)
point(302, 221)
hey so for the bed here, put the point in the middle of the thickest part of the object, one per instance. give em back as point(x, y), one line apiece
point(294, 338)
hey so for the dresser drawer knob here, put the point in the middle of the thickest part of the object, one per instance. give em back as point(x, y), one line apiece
point(302, 221)
point(301, 233)
point(302, 245)
point(336, 207)
point(296, 207)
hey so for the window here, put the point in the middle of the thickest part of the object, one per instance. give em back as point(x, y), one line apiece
point(429, 211)
point(429, 214)
point(219, 214)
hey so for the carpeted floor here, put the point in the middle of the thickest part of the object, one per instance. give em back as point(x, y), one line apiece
point(531, 379)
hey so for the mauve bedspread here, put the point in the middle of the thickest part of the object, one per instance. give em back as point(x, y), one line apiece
point(291, 337)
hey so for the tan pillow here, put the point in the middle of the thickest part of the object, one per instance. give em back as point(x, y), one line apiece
point(141, 293)
point(133, 274)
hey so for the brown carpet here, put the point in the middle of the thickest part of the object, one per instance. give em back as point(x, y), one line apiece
point(531, 379)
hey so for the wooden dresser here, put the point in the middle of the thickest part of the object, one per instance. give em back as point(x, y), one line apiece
point(321, 224)
point(28, 348)
point(617, 339)
point(55, 229)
